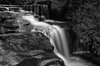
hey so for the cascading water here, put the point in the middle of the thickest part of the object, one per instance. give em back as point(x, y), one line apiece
point(57, 37)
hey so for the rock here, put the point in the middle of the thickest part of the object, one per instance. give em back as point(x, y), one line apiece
point(24, 48)
point(35, 40)
point(46, 59)
point(8, 22)
point(27, 48)
point(13, 22)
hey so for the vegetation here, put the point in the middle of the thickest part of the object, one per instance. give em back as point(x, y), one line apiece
point(86, 24)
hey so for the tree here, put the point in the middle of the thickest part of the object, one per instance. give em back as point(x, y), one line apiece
point(87, 22)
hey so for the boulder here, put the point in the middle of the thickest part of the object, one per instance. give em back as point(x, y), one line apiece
point(27, 49)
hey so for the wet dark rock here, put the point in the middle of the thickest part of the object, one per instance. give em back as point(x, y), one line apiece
point(8, 22)
point(31, 41)
point(28, 49)
point(43, 59)
point(13, 22)
point(24, 48)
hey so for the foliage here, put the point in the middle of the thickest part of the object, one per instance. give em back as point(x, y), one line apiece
point(87, 18)
point(86, 24)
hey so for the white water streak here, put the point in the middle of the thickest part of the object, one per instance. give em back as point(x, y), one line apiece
point(58, 39)
point(63, 41)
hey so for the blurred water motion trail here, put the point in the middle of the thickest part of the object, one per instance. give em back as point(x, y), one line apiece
point(59, 37)
point(60, 43)
point(59, 40)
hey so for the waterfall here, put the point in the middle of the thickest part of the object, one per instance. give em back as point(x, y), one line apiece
point(57, 38)
point(61, 48)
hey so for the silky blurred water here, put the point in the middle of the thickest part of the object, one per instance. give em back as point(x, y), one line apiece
point(60, 42)
point(58, 38)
